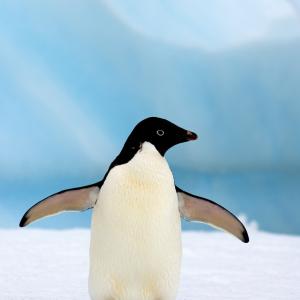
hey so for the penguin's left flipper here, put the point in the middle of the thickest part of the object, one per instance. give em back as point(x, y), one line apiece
point(76, 199)
point(195, 208)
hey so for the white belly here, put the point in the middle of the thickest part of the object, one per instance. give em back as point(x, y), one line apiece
point(135, 250)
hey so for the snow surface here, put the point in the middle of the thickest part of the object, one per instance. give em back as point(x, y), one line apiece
point(49, 264)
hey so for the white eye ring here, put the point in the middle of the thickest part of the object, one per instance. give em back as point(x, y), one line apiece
point(160, 132)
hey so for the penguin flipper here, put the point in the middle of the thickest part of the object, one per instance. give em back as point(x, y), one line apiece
point(195, 208)
point(75, 199)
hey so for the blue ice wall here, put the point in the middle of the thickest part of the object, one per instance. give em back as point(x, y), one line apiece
point(76, 76)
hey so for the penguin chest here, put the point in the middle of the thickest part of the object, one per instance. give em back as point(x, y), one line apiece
point(135, 248)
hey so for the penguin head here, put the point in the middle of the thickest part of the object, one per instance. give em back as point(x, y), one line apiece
point(159, 132)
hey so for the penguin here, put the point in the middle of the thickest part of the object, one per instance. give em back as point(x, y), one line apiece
point(135, 245)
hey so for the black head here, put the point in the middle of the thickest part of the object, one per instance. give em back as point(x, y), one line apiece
point(160, 132)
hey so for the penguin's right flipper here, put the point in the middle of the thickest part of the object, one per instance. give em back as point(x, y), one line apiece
point(76, 199)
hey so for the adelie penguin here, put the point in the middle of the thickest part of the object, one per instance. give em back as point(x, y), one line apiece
point(135, 248)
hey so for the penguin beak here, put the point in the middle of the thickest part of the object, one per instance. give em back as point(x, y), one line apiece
point(191, 136)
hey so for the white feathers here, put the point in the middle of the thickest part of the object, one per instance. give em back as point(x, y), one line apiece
point(135, 248)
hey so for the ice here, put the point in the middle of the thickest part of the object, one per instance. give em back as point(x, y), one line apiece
point(53, 264)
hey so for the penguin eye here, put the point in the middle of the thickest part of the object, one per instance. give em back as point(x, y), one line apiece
point(160, 132)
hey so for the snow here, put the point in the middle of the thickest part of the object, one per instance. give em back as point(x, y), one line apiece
point(51, 264)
